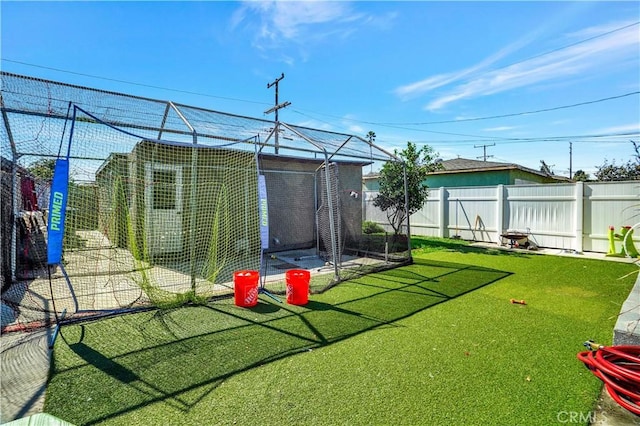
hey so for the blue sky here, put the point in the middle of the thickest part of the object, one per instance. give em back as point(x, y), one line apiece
point(428, 72)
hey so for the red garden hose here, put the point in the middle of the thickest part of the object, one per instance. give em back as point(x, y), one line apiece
point(619, 368)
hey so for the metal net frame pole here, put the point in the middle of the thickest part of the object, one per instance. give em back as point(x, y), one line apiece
point(332, 226)
point(14, 191)
point(329, 201)
point(192, 197)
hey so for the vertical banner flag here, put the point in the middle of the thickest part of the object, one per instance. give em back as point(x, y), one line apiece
point(57, 210)
point(263, 211)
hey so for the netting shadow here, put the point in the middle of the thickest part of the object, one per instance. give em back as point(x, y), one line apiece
point(180, 356)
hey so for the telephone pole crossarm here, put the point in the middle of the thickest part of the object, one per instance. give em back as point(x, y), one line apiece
point(275, 82)
point(275, 109)
point(484, 148)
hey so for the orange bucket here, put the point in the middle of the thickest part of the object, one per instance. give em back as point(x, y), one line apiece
point(245, 288)
point(297, 286)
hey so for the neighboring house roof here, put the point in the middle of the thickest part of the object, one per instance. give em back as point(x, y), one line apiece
point(6, 165)
point(465, 165)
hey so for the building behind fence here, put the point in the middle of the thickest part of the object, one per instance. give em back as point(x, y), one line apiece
point(571, 216)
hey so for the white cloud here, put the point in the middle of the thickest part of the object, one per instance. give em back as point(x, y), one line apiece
point(596, 30)
point(357, 130)
point(591, 56)
point(415, 89)
point(277, 23)
point(315, 124)
point(347, 124)
point(627, 128)
point(289, 19)
point(499, 129)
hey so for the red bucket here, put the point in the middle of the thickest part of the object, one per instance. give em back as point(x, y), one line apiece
point(297, 286)
point(245, 288)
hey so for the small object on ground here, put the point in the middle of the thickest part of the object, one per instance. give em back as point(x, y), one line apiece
point(518, 302)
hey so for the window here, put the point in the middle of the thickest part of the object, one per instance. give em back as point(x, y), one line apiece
point(164, 189)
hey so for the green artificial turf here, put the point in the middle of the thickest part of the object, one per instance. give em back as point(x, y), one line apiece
point(436, 342)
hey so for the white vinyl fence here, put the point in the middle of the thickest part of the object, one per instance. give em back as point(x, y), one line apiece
point(572, 216)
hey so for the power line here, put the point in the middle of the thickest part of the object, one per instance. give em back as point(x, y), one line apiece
point(546, 109)
point(504, 140)
point(565, 47)
point(188, 92)
point(478, 138)
point(396, 125)
point(523, 112)
point(535, 57)
point(399, 125)
point(392, 124)
point(576, 139)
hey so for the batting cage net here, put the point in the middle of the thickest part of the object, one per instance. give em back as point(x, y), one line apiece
point(113, 202)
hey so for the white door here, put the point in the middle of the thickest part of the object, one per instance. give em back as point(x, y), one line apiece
point(163, 201)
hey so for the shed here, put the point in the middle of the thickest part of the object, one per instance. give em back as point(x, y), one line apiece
point(166, 201)
point(147, 193)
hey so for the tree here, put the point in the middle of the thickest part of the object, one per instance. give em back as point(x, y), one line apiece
point(612, 172)
point(581, 176)
point(629, 171)
point(371, 138)
point(391, 198)
point(43, 169)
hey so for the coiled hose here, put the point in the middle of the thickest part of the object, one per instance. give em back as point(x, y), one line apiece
point(619, 368)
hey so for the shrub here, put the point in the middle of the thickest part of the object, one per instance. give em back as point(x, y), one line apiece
point(369, 227)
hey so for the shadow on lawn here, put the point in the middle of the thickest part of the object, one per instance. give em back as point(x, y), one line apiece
point(178, 357)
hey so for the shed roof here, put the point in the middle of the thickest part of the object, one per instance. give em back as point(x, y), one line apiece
point(28, 102)
point(262, 155)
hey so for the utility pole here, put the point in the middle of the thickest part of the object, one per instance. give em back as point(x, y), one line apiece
point(570, 160)
point(484, 148)
point(276, 108)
